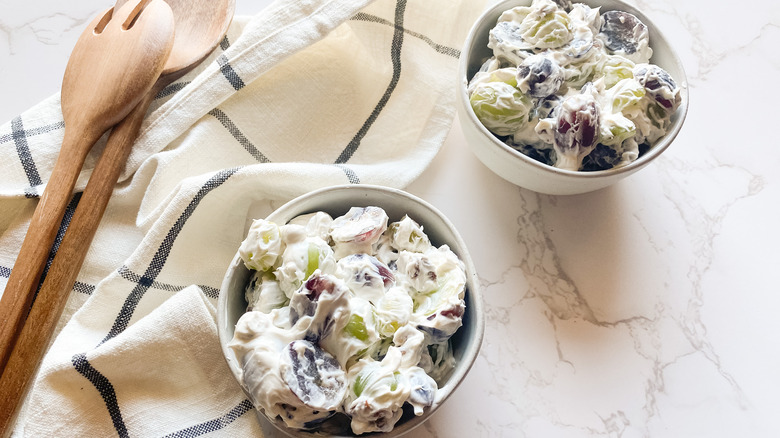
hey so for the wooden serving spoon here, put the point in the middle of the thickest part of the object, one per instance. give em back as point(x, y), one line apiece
point(115, 62)
point(200, 26)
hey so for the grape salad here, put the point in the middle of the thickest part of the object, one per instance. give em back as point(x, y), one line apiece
point(349, 320)
point(573, 87)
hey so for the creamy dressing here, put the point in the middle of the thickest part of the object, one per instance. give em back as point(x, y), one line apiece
point(347, 317)
point(544, 55)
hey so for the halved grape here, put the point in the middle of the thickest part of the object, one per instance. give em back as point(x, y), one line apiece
point(624, 34)
point(393, 311)
point(378, 392)
point(409, 235)
point(264, 294)
point(576, 132)
point(563, 4)
point(615, 129)
point(358, 230)
point(356, 327)
point(325, 299)
point(613, 69)
point(507, 43)
point(502, 108)
point(441, 325)
point(423, 390)
point(547, 26)
point(626, 93)
point(539, 76)
point(365, 276)
point(313, 375)
point(262, 245)
point(602, 157)
point(659, 85)
point(304, 300)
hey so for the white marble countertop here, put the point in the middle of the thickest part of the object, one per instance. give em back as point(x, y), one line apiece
point(647, 309)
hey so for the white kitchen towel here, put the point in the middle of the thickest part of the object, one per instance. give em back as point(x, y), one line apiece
point(303, 95)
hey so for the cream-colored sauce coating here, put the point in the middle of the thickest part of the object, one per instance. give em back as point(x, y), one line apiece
point(543, 55)
point(351, 316)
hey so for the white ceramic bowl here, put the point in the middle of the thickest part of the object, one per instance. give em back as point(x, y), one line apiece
point(524, 171)
point(336, 201)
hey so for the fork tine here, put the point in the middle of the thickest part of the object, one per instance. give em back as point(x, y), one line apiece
point(132, 17)
point(101, 25)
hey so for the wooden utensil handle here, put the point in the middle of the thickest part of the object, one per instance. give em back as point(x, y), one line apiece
point(36, 334)
point(26, 273)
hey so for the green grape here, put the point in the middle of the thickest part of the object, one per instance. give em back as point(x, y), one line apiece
point(502, 108)
point(615, 129)
point(613, 69)
point(262, 245)
point(360, 382)
point(516, 14)
point(547, 27)
point(393, 311)
point(508, 75)
point(314, 260)
point(356, 327)
point(624, 94)
point(394, 383)
point(373, 376)
point(658, 115)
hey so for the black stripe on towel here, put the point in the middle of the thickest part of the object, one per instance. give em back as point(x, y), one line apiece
point(34, 131)
point(238, 135)
point(215, 424)
point(171, 89)
point(80, 362)
point(161, 256)
point(224, 44)
point(106, 390)
point(351, 175)
point(229, 73)
point(395, 56)
point(79, 287)
point(25, 157)
point(83, 288)
point(129, 275)
point(446, 50)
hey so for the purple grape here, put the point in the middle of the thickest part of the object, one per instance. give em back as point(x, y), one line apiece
point(563, 4)
point(659, 85)
point(603, 157)
point(324, 299)
point(622, 31)
point(381, 272)
point(576, 131)
point(313, 375)
point(360, 224)
point(304, 300)
point(539, 76)
point(423, 392)
point(506, 41)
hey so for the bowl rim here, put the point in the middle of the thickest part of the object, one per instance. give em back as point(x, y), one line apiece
point(652, 153)
point(470, 353)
